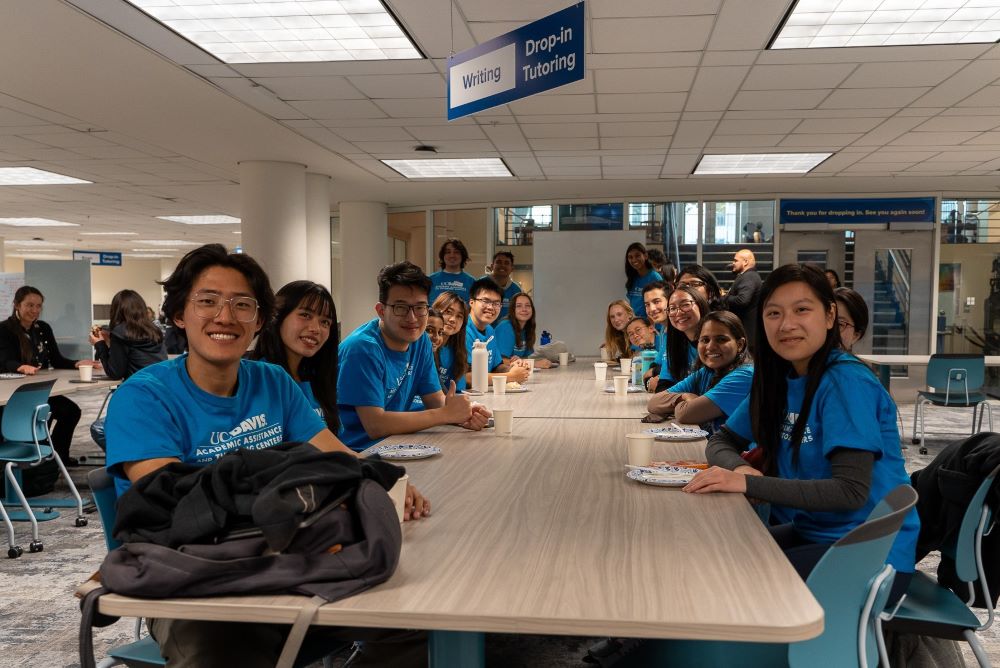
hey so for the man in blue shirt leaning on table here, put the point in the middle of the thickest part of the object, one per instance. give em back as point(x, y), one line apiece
point(387, 362)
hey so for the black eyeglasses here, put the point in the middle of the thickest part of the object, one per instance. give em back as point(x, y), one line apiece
point(402, 310)
point(685, 305)
point(488, 303)
point(694, 283)
point(844, 324)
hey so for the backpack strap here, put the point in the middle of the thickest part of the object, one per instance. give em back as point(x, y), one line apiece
point(298, 632)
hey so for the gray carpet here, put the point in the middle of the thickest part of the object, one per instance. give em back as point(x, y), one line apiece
point(39, 617)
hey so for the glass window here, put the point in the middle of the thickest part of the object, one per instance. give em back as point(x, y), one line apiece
point(591, 216)
point(729, 226)
point(670, 226)
point(890, 316)
point(469, 226)
point(515, 225)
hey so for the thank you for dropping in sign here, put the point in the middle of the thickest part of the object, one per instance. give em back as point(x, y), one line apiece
point(537, 57)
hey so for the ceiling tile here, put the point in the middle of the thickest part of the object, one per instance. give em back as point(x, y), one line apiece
point(559, 143)
point(838, 125)
point(400, 86)
point(797, 77)
point(830, 141)
point(555, 104)
point(334, 109)
point(714, 88)
point(901, 75)
point(637, 129)
point(631, 171)
point(626, 160)
point(986, 138)
point(635, 143)
point(523, 166)
point(626, 61)
point(756, 127)
point(377, 133)
point(743, 141)
point(933, 138)
point(430, 107)
point(887, 131)
point(692, 134)
point(679, 164)
point(311, 88)
point(506, 137)
point(645, 80)
point(888, 156)
point(746, 25)
point(570, 161)
point(445, 132)
point(959, 123)
point(964, 83)
point(791, 99)
point(633, 35)
point(987, 97)
point(612, 104)
point(533, 130)
point(619, 8)
point(872, 98)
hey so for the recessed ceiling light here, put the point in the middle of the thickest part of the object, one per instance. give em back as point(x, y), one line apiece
point(29, 176)
point(814, 24)
point(760, 163)
point(109, 234)
point(165, 242)
point(451, 168)
point(202, 220)
point(35, 242)
point(35, 222)
point(278, 32)
point(38, 256)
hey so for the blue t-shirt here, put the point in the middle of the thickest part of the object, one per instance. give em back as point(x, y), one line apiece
point(472, 334)
point(660, 343)
point(727, 394)
point(307, 390)
point(506, 343)
point(160, 412)
point(446, 356)
point(635, 294)
point(444, 281)
point(851, 409)
point(372, 375)
point(668, 374)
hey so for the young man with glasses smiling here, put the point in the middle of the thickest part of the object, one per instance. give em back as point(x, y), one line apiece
point(387, 362)
point(486, 299)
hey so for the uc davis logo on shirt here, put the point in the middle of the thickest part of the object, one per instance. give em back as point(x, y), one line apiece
point(786, 429)
point(254, 433)
point(391, 391)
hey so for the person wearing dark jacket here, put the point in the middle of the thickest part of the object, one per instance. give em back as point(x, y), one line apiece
point(27, 344)
point(744, 293)
point(133, 341)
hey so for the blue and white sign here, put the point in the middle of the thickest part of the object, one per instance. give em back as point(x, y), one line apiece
point(873, 211)
point(534, 58)
point(100, 258)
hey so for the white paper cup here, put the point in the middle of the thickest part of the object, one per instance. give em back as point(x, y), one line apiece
point(499, 386)
point(626, 363)
point(600, 371)
point(604, 354)
point(86, 373)
point(563, 359)
point(621, 386)
point(398, 496)
point(503, 421)
point(531, 368)
point(640, 449)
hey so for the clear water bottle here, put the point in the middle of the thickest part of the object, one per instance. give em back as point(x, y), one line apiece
point(546, 338)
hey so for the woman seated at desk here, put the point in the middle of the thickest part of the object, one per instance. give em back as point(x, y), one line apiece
point(829, 452)
point(132, 340)
point(27, 344)
point(516, 334)
point(710, 394)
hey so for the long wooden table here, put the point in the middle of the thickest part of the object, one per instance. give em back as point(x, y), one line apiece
point(540, 532)
point(570, 392)
point(882, 364)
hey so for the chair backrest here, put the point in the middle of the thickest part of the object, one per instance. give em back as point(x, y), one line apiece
point(965, 549)
point(848, 581)
point(103, 487)
point(19, 423)
point(957, 371)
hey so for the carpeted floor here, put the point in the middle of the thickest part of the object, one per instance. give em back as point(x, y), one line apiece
point(39, 617)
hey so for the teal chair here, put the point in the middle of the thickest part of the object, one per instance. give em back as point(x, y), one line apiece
point(933, 610)
point(144, 652)
point(27, 443)
point(851, 583)
point(962, 377)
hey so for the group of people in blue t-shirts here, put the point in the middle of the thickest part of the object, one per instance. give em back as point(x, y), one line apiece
point(798, 421)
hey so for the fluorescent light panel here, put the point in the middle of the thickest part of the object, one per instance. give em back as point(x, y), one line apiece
point(35, 222)
point(29, 176)
point(760, 163)
point(38, 256)
point(451, 168)
point(260, 31)
point(815, 24)
point(202, 220)
point(34, 242)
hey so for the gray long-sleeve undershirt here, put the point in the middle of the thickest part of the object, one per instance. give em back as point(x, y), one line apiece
point(847, 488)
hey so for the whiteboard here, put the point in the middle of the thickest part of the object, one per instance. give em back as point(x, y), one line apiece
point(576, 275)
point(9, 283)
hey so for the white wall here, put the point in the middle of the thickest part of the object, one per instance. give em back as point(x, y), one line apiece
point(576, 276)
point(138, 275)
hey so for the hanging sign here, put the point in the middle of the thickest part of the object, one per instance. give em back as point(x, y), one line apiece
point(534, 58)
point(100, 258)
point(869, 211)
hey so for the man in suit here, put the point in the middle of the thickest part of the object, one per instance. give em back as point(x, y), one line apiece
point(742, 297)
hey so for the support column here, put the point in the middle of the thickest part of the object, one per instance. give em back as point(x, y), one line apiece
point(273, 211)
point(318, 229)
point(364, 227)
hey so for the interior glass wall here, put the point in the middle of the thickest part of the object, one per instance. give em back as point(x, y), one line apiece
point(591, 216)
point(514, 229)
point(729, 226)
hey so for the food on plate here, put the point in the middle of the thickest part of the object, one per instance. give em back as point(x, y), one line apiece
point(683, 463)
point(513, 385)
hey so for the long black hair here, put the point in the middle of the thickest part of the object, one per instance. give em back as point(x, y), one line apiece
point(769, 389)
point(856, 307)
point(524, 336)
point(129, 309)
point(13, 323)
point(678, 344)
point(730, 321)
point(631, 275)
point(320, 370)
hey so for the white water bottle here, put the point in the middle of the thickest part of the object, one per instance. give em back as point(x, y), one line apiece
point(480, 366)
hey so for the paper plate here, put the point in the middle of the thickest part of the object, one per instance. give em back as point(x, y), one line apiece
point(675, 434)
point(407, 451)
point(666, 476)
